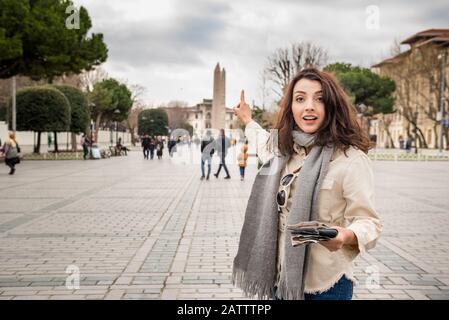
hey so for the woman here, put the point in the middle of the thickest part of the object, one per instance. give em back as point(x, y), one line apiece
point(242, 159)
point(315, 168)
point(11, 150)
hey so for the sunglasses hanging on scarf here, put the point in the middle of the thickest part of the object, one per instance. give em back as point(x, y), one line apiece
point(283, 193)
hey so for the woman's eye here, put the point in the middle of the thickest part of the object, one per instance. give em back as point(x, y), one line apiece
point(320, 99)
point(299, 99)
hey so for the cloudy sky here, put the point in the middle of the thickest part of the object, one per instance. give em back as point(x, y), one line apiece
point(172, 46)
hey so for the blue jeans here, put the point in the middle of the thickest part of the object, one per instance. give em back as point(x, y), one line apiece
point(342, 290)
point(203, 162)
point(242, 171)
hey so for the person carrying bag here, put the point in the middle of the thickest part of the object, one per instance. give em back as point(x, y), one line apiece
point(11, 150)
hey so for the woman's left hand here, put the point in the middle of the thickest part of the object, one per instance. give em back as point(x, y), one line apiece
point(344, 237)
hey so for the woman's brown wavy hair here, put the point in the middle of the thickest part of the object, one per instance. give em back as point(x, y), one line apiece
point(340, 126)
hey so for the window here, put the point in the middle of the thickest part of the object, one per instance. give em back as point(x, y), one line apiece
point(196, 115)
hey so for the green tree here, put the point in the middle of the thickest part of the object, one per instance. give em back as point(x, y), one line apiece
point(42, 109)
point(36, 42)
point(121, 98)
point(110, 100)
point(365, 87)
point(153, 122)
point(370, 93)
point(80, 117)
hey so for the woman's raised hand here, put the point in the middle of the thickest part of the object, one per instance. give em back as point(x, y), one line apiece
point(243, 110)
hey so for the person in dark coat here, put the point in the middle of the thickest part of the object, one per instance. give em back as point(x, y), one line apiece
point(159, 148)
point(85, 143)
point(172, 146)
point(152, 146)
point(222, 145)
point(146, 145)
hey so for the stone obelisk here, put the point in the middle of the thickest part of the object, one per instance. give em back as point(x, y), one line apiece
point(218, 102)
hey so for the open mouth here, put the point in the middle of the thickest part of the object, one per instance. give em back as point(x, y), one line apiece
point(310, 118)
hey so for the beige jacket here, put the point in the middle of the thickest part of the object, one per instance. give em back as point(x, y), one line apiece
point(346, 199)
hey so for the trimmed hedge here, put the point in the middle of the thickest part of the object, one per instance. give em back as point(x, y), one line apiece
point(78, 107)
point(155, 122)
point(42, 109)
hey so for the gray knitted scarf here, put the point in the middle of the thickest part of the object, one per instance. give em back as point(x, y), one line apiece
point(254, 269)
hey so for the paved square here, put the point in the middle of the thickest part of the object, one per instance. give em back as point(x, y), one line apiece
point(142, 229)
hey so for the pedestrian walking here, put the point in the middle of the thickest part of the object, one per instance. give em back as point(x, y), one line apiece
point(315, 168)
point(85, 143)
point(172, 146)
point(242, 159)
point(222, 145)
point(159, 148)
point(152, 146)
point(207, 151)
point(146, 146)
point(11, 150)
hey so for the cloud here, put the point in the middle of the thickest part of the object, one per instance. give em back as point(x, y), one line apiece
point(172, 46)
point(139, 38)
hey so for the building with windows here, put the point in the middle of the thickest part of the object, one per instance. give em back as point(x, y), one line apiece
point(418, 74)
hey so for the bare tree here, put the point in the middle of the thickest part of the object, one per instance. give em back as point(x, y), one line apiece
point(137, 93)
point(395, 47)
point(89, 79)
point(177, 114)
point(177, 103)
point(73, 80)
point(264, 88)
point(407, 97)
point(132, 120)
point(284, 63)
point(385, 122)
point(420, 75)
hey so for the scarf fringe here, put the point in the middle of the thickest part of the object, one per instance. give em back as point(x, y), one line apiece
point(296, 293)
point(262, 289)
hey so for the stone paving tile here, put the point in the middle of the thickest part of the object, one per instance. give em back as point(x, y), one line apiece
point(152, 230)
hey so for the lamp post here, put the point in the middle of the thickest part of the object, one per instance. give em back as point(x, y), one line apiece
point(91, 137)
point(142, 132)
point(13, 126)
point(91, 106)
point(168, 137)
point(442, 57)
point(117, 112)
point(415, 114)
point(152, 121)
